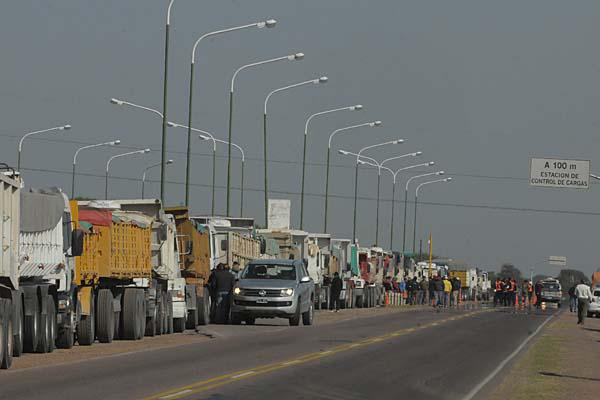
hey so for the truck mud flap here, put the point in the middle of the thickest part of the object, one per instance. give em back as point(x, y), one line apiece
point(84, 297)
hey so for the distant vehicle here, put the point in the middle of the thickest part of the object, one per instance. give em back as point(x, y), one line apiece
point(551, 291)
point(274, 288)
point(594, 307)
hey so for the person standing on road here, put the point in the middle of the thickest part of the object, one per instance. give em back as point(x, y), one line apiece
point(402, 288)
point(439, 291)
point(223, 282)
point(336, 290)
point(423, 293)
point(432, 291)
point(498, 292)
point(456, 284)
point(572, 299)
point(529, 293)
point(415, 290)
point(538, 294)
point(447, 291)
point(584, 298)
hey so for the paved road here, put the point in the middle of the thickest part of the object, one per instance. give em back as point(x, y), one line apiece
point(420, 355)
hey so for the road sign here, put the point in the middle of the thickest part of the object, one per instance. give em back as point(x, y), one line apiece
point(552, 172)
point(557, 260)
point(279, 214)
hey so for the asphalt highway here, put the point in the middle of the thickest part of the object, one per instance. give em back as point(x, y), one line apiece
point(418, 355)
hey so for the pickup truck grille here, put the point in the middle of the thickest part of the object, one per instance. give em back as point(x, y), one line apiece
point(255, 292)
point(266, 304)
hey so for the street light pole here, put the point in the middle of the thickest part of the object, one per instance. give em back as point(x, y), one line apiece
point(417, 200)
point(163, 149)
point(58, 128)
point(111, 143)
point(146, 170)
point(348, 108)
point(391, 142)
point(118, 156)
point(406, 202)
point(331, 136)
point(291, 57)
point(322, 79)
point(262, 24)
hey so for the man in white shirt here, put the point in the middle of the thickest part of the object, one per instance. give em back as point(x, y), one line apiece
point(584, 297)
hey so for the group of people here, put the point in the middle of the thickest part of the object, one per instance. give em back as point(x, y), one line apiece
point(508, 293)
point(437, 291)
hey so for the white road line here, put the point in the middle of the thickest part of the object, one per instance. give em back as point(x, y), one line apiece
point(326, 352)
point(176, 394)
point(291, 362)
point(495, 372)
point(244, 374)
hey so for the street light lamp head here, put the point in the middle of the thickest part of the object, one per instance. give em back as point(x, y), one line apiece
point(172, 124)
point(203, 137)
point(296, 57)
point(170, 162)
point(357, 107)
point(361, 162)
point(322, 79)
point(146, 151)
point(344, 152)
point(116, 101)
point(440, 173)
point(115, 142)
point(375, 123)
point(431, 162)
point(270, 23)
point(447, 179)
point(66, 127)
point(417, 153)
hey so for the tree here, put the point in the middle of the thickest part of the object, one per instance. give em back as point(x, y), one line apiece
point(510, 271)
point(570, 277)
point(537, 278)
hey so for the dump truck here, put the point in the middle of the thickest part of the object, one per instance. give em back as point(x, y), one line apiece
point(197, 243)
point(127, 275)
point(37, 296)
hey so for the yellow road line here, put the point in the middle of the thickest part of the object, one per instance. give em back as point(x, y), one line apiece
point(221, 380)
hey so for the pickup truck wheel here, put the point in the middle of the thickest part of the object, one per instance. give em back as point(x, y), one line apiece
point(307, 317)
point(105, 323)
point(6, 334)
point(32, 329)
point(236, 319)
point(295, 320)
point(250, 320)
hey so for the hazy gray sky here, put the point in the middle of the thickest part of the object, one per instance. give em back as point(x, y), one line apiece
point(479, 86)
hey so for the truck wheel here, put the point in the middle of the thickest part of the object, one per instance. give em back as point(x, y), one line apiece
point(66, 338)
point(17, 308)
point(169, 313)
point(32, 329)
point(192, 319)
point(179, 324)
point(295, 319)
point(203, 307)
point(153, 322)
point(130, 309)
point(105, 316)
point(307, 317)
point(141, 313)
point(86, 329)
point(6, 334)
point(53, 328)
point(46, 333)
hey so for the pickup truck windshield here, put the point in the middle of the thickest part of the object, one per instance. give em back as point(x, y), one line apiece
point(269, 271)
point(551, 286)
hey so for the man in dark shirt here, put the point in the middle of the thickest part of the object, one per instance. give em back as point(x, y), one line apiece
point(336, 290)
point(221, 283)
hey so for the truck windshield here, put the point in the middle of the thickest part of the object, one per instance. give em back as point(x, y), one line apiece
point(269, 271)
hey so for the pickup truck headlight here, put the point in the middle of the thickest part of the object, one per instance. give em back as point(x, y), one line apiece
point(287, 292)
point(237, 290)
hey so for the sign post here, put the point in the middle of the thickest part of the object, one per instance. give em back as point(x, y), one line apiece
point(558, 173)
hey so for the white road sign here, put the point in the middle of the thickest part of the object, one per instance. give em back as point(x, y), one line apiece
point(552, 172)
point(558, 260)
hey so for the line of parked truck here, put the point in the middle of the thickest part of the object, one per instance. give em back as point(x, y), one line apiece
point(80, 271)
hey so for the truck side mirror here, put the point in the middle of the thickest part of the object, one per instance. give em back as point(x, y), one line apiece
point(77, 243)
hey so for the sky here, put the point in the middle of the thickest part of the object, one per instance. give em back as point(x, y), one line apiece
point(479, 86)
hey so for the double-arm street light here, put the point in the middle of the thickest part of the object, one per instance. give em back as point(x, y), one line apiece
point(358, 156)
point(57, 128)
point(331, 136)
point(356, 107)
point(270, 23)
point(111, 143)
point(380, 166)
point(119, 156)
point(322, 79)
point(169, 162)
point(406, 202)
point(291, 57)
point(239, 148)
point(416, 201)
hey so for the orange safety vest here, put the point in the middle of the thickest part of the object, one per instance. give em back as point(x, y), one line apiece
point(512, 287)
point(498, 286)
point(529, 287)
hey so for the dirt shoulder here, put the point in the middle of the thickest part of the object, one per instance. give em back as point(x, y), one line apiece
point(562, 363)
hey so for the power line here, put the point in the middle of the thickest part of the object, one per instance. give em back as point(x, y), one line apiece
point(339, 196)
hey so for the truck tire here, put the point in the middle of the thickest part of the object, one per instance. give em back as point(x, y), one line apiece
point(32, 329)
point(153, 324)
point(307, 317)
point(17, 309)
point(66, 338)
point(142, 313)
point(86, 328)
point(203, 307)
point(169, 313)
point(105, 316)
point(52, 325)
point(6, 334)
point(46, 332)
point(295, 319)
point(130, 314)
point(179, 324)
